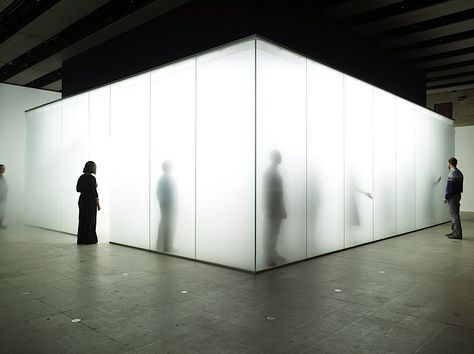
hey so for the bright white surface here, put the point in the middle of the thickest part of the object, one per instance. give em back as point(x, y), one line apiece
point(358, 161)
point(51, 171)
point(341, 141)
point(448, 152)
point(14, 100)
point(405, 165)
point(325, 165)
point(424, 214)
point(75, 136)
point(33, 167)
point(385, 182)
point(129, 165)
point(173, 110)
point(281, 125)
point(464, 150)
point(99, 152)
point(225, 151)
point(438, 167)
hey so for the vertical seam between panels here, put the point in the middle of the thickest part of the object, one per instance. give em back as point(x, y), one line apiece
point(344, 158)
point(414, 164)
point(110, 116)
point(396, 166)
point(149, 166)
point(61, 189)
point(255, 159)
point(195, 157)
point(373, 165)
point(306, 155)
point(89, 125)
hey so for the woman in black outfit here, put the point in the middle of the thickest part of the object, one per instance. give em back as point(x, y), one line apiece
point(88, 205)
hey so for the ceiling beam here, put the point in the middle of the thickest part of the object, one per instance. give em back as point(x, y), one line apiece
point(450, 76)
point(47, 79)
point(443, 55)
point(100, 18)
point(453, 84)
point(425, 25)
point(399, 8)
point(19, 13)
point(432, 42)
point(448, 66)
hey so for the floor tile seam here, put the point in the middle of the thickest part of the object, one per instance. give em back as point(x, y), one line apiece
point(437, 321)
point(384, 335)
point(397, 265)
point(428, 340)
point(96, 331)
point(335, 334)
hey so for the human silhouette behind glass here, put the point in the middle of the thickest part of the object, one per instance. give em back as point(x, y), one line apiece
point(274, 209)
point(167, 200)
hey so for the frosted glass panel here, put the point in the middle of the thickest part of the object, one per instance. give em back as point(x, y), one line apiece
point(51, 167)
point(405, 166)
point(33, 168)
point(99, 149)
point(250, 156)
point(449, 152)
point(281, 156)
point(225, 157)
point(172, 168)
point(385, 193)
point(423, 181)
point(358, 162)
point(129, 187)
point(325, 186)
point(438, 167)
point(75, 126)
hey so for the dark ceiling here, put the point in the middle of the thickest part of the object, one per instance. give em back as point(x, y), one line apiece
point(434, 36)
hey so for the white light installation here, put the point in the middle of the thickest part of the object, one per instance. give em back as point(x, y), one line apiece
point(172, 159)
point(33, 168)
point(130, 161)
point(99, 152)
point(358, 156)
point(225, 156)
point(281, 156)
point(249, 156)
point(325, 159)
point(424, 183)
point(51, 169)
point(385, 172)
point(74, 151)
point(405, 165)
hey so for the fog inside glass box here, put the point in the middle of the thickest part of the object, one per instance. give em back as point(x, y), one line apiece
point(249, 156)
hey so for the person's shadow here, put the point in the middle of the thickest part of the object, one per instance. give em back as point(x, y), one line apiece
point(274, 210)
point(167, 200)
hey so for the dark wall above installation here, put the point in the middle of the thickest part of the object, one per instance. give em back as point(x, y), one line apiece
point(200, 25)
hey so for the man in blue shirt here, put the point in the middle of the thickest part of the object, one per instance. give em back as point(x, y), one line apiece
point(453, 197)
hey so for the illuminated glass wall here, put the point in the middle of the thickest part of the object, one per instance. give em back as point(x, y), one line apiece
point(225, 156)
point(249, 156)
point(281, 156)
point(325, 159)
point(172, 159)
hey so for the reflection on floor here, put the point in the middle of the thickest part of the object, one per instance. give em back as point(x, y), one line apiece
point(407, 294)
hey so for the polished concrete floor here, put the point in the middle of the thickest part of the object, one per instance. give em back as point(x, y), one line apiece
point(413, 293)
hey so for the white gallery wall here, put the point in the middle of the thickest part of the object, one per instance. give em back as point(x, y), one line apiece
point(14, 100)
point(250, 156)
point(464, 151)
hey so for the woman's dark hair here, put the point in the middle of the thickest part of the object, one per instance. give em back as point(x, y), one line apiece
point(453, 161)
point(89, 167)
